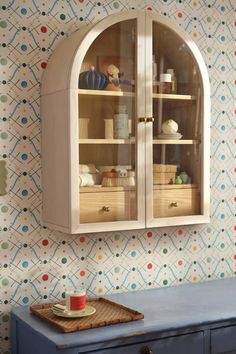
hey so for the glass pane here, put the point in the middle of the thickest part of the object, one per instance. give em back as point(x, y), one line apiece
point(107, 143)
point(177, 127)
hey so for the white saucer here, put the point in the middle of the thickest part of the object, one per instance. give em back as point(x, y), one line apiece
point(176, 136)
point(89, 310)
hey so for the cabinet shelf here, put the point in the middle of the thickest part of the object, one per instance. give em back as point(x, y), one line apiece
point(101, 189)
point(176, 142)
point(106, 93)
point(132, 94)
point(173, 97)
point(107, 141)
point(174, 186)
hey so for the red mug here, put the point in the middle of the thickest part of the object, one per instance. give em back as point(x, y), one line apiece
point(75, 299)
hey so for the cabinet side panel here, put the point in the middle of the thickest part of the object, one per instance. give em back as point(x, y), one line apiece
point(55, 159)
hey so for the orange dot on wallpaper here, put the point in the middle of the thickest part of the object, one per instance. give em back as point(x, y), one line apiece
point(194, 278)
point(100, 257)
point(194, 248)
point(82, 239)
point(180, 232)
point(82, 273)
point(100, 290)
point(180, 263)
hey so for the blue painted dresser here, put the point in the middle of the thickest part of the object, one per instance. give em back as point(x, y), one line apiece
point(188, 319)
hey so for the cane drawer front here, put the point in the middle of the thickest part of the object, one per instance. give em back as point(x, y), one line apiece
point(223, 340)
point(107, 206)
point(175, 202)
point(183, 344)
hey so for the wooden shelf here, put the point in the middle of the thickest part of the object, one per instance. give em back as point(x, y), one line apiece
point(132, 94)
point(100, 189)
point(173, 97)
point(107, 141)
point(106, 93)
point(174, 186)
point(176, 142)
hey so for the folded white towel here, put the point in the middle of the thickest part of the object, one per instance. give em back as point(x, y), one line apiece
point(89, 179)
point(90, 168)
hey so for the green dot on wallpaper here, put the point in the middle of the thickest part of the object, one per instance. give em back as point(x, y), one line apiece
point(4, 245)
point(3, 24)
point(4, 135)
point(3, 61)
point(5, 318)
point(5, 282)
point(117, 269)
point(3, 98)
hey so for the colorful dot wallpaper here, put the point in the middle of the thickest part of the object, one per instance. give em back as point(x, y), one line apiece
point(37, 264)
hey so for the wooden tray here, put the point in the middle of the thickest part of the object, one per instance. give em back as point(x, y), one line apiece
point(107, 313)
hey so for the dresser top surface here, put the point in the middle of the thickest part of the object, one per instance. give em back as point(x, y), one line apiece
point(164, 309)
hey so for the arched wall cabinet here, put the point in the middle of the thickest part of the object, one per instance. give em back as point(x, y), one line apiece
point(150, 174)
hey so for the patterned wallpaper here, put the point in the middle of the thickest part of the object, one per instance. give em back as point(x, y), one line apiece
point(37, 264)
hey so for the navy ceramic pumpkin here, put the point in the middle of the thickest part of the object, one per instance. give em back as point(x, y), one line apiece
point(92, 80)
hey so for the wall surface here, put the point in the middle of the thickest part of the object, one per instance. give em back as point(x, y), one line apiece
point(38, 264)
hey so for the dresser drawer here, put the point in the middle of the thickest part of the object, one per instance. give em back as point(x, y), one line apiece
point(184, 344)
point(175, 202)
point(107, 206)
point(223, 340)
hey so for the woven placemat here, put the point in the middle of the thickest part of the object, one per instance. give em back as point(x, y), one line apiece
point(107, 313)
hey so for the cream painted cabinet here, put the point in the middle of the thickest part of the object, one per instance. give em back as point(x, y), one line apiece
point(125, 107)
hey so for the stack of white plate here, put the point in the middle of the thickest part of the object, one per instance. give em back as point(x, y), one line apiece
point(174, 136)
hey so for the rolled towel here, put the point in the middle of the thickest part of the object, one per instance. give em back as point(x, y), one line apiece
point(89, 179)
point(90, 168)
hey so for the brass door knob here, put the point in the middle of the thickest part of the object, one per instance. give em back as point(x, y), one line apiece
point(106, 209)
point(150, 119)
point(142, 120)
point(146, 350)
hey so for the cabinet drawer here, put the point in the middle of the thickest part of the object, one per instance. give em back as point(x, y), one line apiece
point(184, 344)
point(118, 205)
point(223, 340)
point(175, 202)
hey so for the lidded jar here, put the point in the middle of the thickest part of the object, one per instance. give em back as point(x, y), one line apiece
point(165, 83)
point(121, 123)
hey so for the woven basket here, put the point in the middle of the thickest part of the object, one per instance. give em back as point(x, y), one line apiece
point(164, 168)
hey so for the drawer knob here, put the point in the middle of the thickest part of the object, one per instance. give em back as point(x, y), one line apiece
point(146, 350)
point(150, 119)
point(106, 209)
point(142, 120)
point(174, 204)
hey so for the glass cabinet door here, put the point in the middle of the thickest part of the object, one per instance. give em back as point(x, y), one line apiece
point(176, 133)
point(107, 128)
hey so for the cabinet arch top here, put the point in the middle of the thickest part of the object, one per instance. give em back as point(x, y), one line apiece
point(63, 68)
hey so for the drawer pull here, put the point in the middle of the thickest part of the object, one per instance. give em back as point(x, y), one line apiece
point(142, 120)
point(174, 205)
point(146, 350)
point(150, 119)
point(106, 209)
